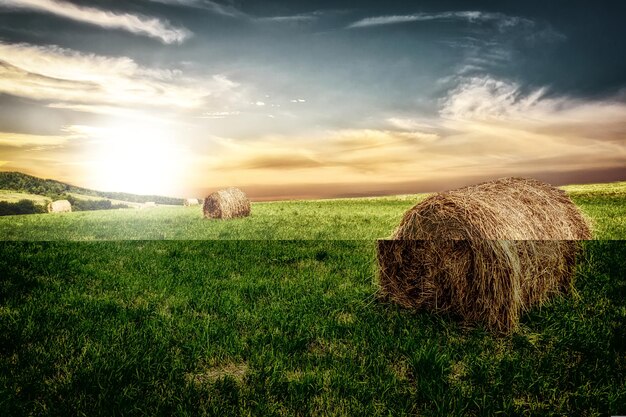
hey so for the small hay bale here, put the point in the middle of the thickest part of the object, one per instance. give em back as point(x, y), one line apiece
point(226, 204)
point(59, 206)
point(191, 202)
point(485, 253)
point(148, 204)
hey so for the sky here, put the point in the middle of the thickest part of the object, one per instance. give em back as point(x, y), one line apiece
point(311, 99)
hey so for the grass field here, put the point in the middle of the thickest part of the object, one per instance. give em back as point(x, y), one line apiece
point(94, 198)
point(256, 325)
point(340, 219)
point(15, 196)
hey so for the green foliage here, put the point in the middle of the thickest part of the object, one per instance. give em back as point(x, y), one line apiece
point(20, 207)
point(15, 196)
point(55, 189)
point(88, 205)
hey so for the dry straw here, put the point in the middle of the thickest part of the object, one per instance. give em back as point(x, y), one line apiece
point(59, 206)
point(485, 253)
point(226, 204)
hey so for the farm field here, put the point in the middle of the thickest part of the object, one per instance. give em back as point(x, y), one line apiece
point(169, 314)
point(12, 196)
point(339, 219)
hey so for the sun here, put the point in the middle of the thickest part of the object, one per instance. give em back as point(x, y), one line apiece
point(137, 158)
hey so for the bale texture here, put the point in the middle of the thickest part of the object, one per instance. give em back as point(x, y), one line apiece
point(59, 206)
point(226, 204)
point(191, 202)
point(485, 253)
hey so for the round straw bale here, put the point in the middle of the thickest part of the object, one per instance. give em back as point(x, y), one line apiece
point(148, 204)
point(226, 204)
point(191, 202)
point(59, 206)
point(485, 253)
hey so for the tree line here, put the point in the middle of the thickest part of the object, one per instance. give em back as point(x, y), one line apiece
point(53, 189)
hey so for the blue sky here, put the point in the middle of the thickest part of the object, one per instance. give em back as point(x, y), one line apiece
point(311, 98)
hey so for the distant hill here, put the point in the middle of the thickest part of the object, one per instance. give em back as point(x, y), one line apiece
point(17, 181)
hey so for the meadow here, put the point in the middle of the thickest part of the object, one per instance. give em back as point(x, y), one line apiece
point(160, 312)
point(337, 219)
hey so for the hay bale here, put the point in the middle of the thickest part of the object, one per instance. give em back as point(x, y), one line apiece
point(485, 253)
point(191, 202)
point(59, 206)
point(148, 204)
point(226, 204)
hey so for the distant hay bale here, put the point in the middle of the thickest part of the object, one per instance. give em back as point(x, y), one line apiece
point(191, 202)
point(59, 206)
point(148, 204)
point(485, 253)
point(226, 204)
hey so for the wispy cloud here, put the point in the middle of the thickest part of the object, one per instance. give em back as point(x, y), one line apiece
point(349, 154)
point(503, 21)
point(529, 130)
point(212, 6)
point(137, 24)
point(73, 78)
point(219, 114)
point(486, 127)
point(20, 140)
point(296, 18)
point(487, 99)
point(233, 12)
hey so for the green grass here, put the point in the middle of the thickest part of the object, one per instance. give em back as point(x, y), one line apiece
point(284, 327)
point(15, 196)
point(330, 219)
point(340, 219)
point(605, 205)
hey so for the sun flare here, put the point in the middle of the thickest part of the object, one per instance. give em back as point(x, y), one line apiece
point(137, 158)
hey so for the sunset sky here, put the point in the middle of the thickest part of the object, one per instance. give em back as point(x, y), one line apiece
point(305, 99)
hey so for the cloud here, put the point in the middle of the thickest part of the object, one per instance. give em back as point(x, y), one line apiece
point(137, 24)
point(73, 78)
point(296, 18)
point(20, 140)
point(233, 12)
point(345, 153)
point(500, 124)
point(217, 8)
point(501, 20)
point(487, 99)
point(219, 114)
point(404, 123)
point(486, 128)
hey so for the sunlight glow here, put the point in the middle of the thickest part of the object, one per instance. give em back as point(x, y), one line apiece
point(138, 159)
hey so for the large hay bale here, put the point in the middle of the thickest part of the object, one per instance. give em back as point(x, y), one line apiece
point(226, 204)
point(485, 253)
point(59, 206)
point(191, 202)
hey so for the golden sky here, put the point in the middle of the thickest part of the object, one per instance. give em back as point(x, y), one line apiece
point(165, 119)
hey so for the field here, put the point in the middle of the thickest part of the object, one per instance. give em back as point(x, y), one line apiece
point(169, 314)
point(339, 219)
point(15, 196)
